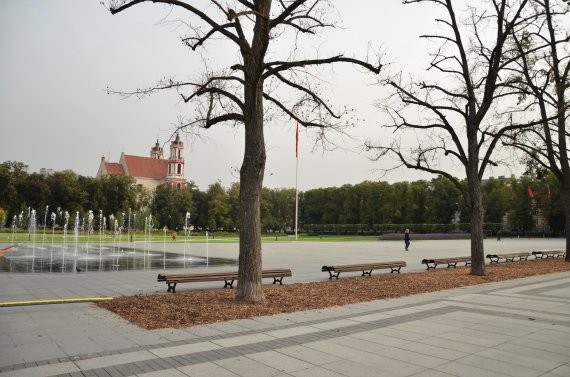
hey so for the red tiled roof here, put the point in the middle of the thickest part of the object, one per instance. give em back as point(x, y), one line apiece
point(146, 167)
point(114, 168)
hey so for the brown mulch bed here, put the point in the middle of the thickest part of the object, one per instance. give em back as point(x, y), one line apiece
point(191, 308)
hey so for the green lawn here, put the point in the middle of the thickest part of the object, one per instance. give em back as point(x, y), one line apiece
point(107, 237)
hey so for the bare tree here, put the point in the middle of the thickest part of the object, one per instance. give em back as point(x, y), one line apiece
point(453, 119)
point(237, 94)
point(542, 73)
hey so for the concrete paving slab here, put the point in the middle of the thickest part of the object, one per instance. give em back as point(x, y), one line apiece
point(123, 358)
point(432, 373)
point(292, 331)
point(358, 344)
point(338, 350)
point(485, 339)
point(309, 355)
point(381, 339)
point(412, 357)
point(429, 350)
point(184, 349)
point(562, 371)
point(521, 355)
point(400, 334)
point(43, 371)
point(450, 344)
point(543, 346)
point(206, 369)
point(463, 370)
point(356, 369)
point(246, 367)
point(164, 373)
point(315, 372)
point(280, 361)
point(504, 366)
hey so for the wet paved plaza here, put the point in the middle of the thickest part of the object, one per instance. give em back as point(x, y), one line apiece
point(512, 328)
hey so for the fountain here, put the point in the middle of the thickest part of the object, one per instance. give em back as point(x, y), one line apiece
point(164, 246)
point(45, 223)
point(53, 217)
point(90, 218)
point(66, 221)
point(76, 238)
point(32, 232)
point(102, 228)
point(25, 258)
point(186, 235)
point(13, 228)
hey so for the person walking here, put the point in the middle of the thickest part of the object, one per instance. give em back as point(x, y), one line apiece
point(407, 238)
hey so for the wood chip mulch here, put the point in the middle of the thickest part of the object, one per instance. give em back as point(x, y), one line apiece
point(191, 308)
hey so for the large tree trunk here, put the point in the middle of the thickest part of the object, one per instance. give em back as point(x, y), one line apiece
point(475, 202)
point(564, 166)
point(249, 288)
point(476, 218)
point(566, 196)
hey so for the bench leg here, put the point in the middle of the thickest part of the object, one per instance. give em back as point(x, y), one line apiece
point(229, 284)
point(468, 263)
point(364, 273)
point(171, 288)
point(395, 270)
point(454, 265)
point(331, 275)
point(507, 260)
point(494, 260)
point(524, 258)
point(431, 267)
point(276, 280)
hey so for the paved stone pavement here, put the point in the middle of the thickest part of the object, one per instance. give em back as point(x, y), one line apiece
point(513, 328)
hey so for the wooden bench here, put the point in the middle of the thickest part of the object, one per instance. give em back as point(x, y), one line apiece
point(365, 268)
point(451, 262)
point(509, 257)
point(540, 254)
point(227, 277)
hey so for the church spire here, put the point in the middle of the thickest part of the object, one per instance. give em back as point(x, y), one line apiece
point(156, 151)
point(176, 163)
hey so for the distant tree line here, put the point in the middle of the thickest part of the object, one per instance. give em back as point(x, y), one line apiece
point(364, 208)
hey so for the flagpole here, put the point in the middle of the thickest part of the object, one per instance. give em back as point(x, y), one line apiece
point(297, 181)
point(296, 197)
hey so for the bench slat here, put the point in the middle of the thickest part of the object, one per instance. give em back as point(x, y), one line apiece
point(508, 256)
point(228, 277)
point(451, 262)
point(366, 268)
point(540, 254)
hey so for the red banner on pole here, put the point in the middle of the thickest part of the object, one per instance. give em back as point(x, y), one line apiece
point(530, 193)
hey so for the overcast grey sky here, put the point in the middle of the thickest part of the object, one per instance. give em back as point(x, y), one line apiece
point(58, 57)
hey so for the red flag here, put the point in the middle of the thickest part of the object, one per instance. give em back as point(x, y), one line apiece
point(297, 141)
point(530, 193)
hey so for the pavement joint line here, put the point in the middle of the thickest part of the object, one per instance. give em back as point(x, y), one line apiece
point(54, 301)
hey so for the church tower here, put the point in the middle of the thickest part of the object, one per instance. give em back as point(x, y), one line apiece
point(156, 151)
point(176, 164)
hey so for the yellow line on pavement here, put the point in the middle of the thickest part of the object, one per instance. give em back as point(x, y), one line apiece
point(54, 301)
